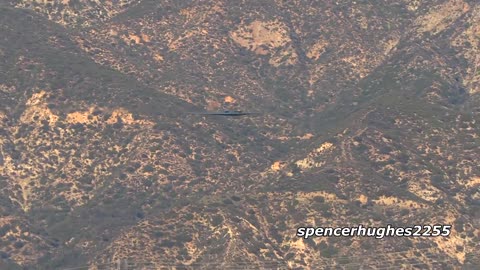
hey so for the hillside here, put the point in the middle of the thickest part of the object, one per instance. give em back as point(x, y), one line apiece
point(369, 113)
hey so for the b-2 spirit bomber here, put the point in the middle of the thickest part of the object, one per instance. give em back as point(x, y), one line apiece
point(226, 113)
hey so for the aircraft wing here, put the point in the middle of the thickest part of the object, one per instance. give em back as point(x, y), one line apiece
point(208, 113)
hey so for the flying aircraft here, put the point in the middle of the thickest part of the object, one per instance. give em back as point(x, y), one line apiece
point(226, 113)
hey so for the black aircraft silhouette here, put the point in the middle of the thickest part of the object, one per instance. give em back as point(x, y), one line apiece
point(225, 113)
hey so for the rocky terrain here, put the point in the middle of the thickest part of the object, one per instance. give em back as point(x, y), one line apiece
point(369, 113)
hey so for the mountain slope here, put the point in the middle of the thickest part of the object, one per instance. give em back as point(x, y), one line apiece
point(369, 117)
